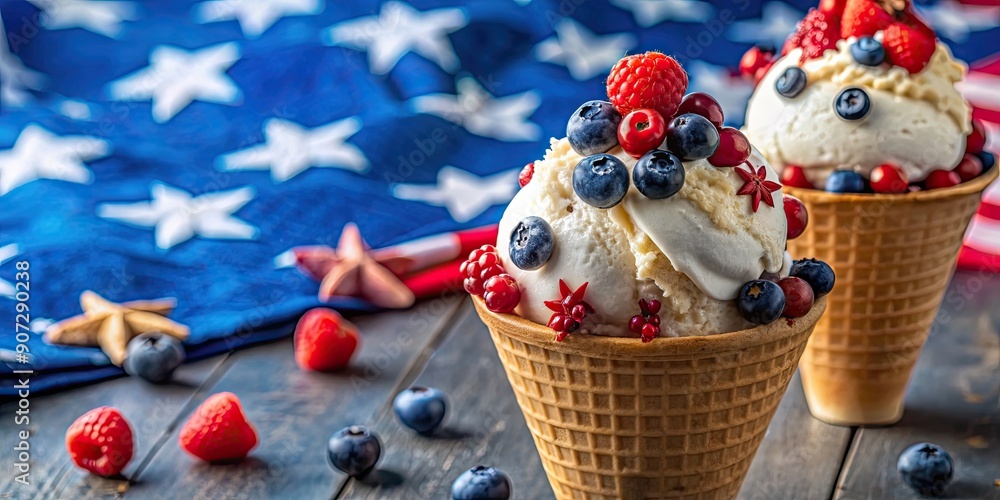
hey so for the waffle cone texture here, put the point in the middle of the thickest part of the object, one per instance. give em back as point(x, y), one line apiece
point(893, 256)
point(614, 418)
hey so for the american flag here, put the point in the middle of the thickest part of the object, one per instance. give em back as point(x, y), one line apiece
point(181, 148)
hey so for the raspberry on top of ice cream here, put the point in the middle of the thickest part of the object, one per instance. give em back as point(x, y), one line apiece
point(859, 85)
point(649, 219)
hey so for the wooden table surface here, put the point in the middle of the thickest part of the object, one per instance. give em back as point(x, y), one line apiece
point(954, 401)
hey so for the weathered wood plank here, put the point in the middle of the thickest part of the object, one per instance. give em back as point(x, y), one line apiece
point(953, 401)
point(295, 412)
point(149, 408)
point(800, 456)
point(484, 426)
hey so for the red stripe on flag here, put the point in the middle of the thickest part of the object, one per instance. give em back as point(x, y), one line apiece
point(973, 259)
point(989, 211)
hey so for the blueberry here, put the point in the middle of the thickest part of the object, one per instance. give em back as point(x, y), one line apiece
point(421, 408)
point(926, 468)
point(791, 82)
point(692, 137)
point(481, 483)
point(354, 450)
point(658, 174)
point(153, 356)
point(817, 273)
point(531, 243)
point(868, 51)
point(761, 301)
point(600, 180)
point(852, 104)
point(845, 181)
point(593, 128)
point(988, 159)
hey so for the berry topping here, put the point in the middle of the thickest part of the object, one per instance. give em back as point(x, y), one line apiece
point(868, 51)
point(976, 140)
point(324, 341)
point(692, 137)
point(733, 150)
point(909, 47)
point(100, 441)
point(421, 408)
point(799, 297)
point(501, 293)
point(658, 174)
point(815, 34)
point(650, 332)
point(635, 323)
point(845, 181)
point(969, 168)
point(927, 468)
point(482, 264)
point(939, 179)
point(153, 356)
point(889, 178)
point(646, 324)
point(704, 105)
point(755, 59)
point(988, 160)
point(864, 18)
point(757, 186)
point(852, 104)
point(481, 483)
point(792, 82)
point(832, 6)
point(354, 450)
point(531, 243)
point(600, 180)
point(797, 216)
point(593, 128)
point(570, 310)
point(817, 273)
point(795, 176)
point(218, 430)
point(651, 80)
point(526, 173)
point(760, 301)
point(640, 131)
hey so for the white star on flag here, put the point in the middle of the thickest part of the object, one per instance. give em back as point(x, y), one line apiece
point(101, 17)
point(776, 22)
point(7, 253)
point(292, 148)
point(955, 20)
point(464, 194)
point(15, 78)
point(40, 154)
point(255, 16)
point(475, 109)
point(649, 13)
point(584, 53)
point(731, 92)
point(177, 216)
point(176, 77)
point(399, 29)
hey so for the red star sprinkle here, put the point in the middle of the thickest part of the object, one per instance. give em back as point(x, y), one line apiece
point(757, 186)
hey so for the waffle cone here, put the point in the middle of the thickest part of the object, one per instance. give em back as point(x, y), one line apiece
point(673, 418)
point(893, 256)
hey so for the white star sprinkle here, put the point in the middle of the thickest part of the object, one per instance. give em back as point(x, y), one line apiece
point(731, 92)
point(776, 22)
point(584, 53)
point(464, 194)
point(292, 148)
point(399, 29)
point(504, 118)
point(101, 17)
point(955, 20)
point(177, 216)
point(255, 16)
point(176, 77)
point(40, 154)
point(7, 253)
point(649, 13)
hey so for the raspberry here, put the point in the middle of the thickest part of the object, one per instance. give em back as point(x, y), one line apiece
point(908, 47)
point(324, 340)
point(482, 264)
point(501, 293)
point(218, 430)
point(100, 441)
point(651, 80)
point(526, 173)
point(864, 18)
point(815, 34)
point(832, 6)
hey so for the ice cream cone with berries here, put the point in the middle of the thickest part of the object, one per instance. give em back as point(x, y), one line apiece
point(860, 115)
point(640, 297)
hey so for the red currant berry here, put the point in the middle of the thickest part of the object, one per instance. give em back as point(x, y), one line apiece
point(579, 312)
point(940, 179)
point(644, 307)
point(474, 286)
point(797, 216)
point(654, 320)
point(636, 323)
point(556, 322)
point(733, 150)
point(753, 60)
point(641, 131)
point(794, 176)
point(889, 178)
point(526, 173)
point(649, 332)
point(969, 168)
point(798, 297)
point(702, 104)
point(501, 293)
point(653, 306)
point(571, 325)
point(976, 141)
